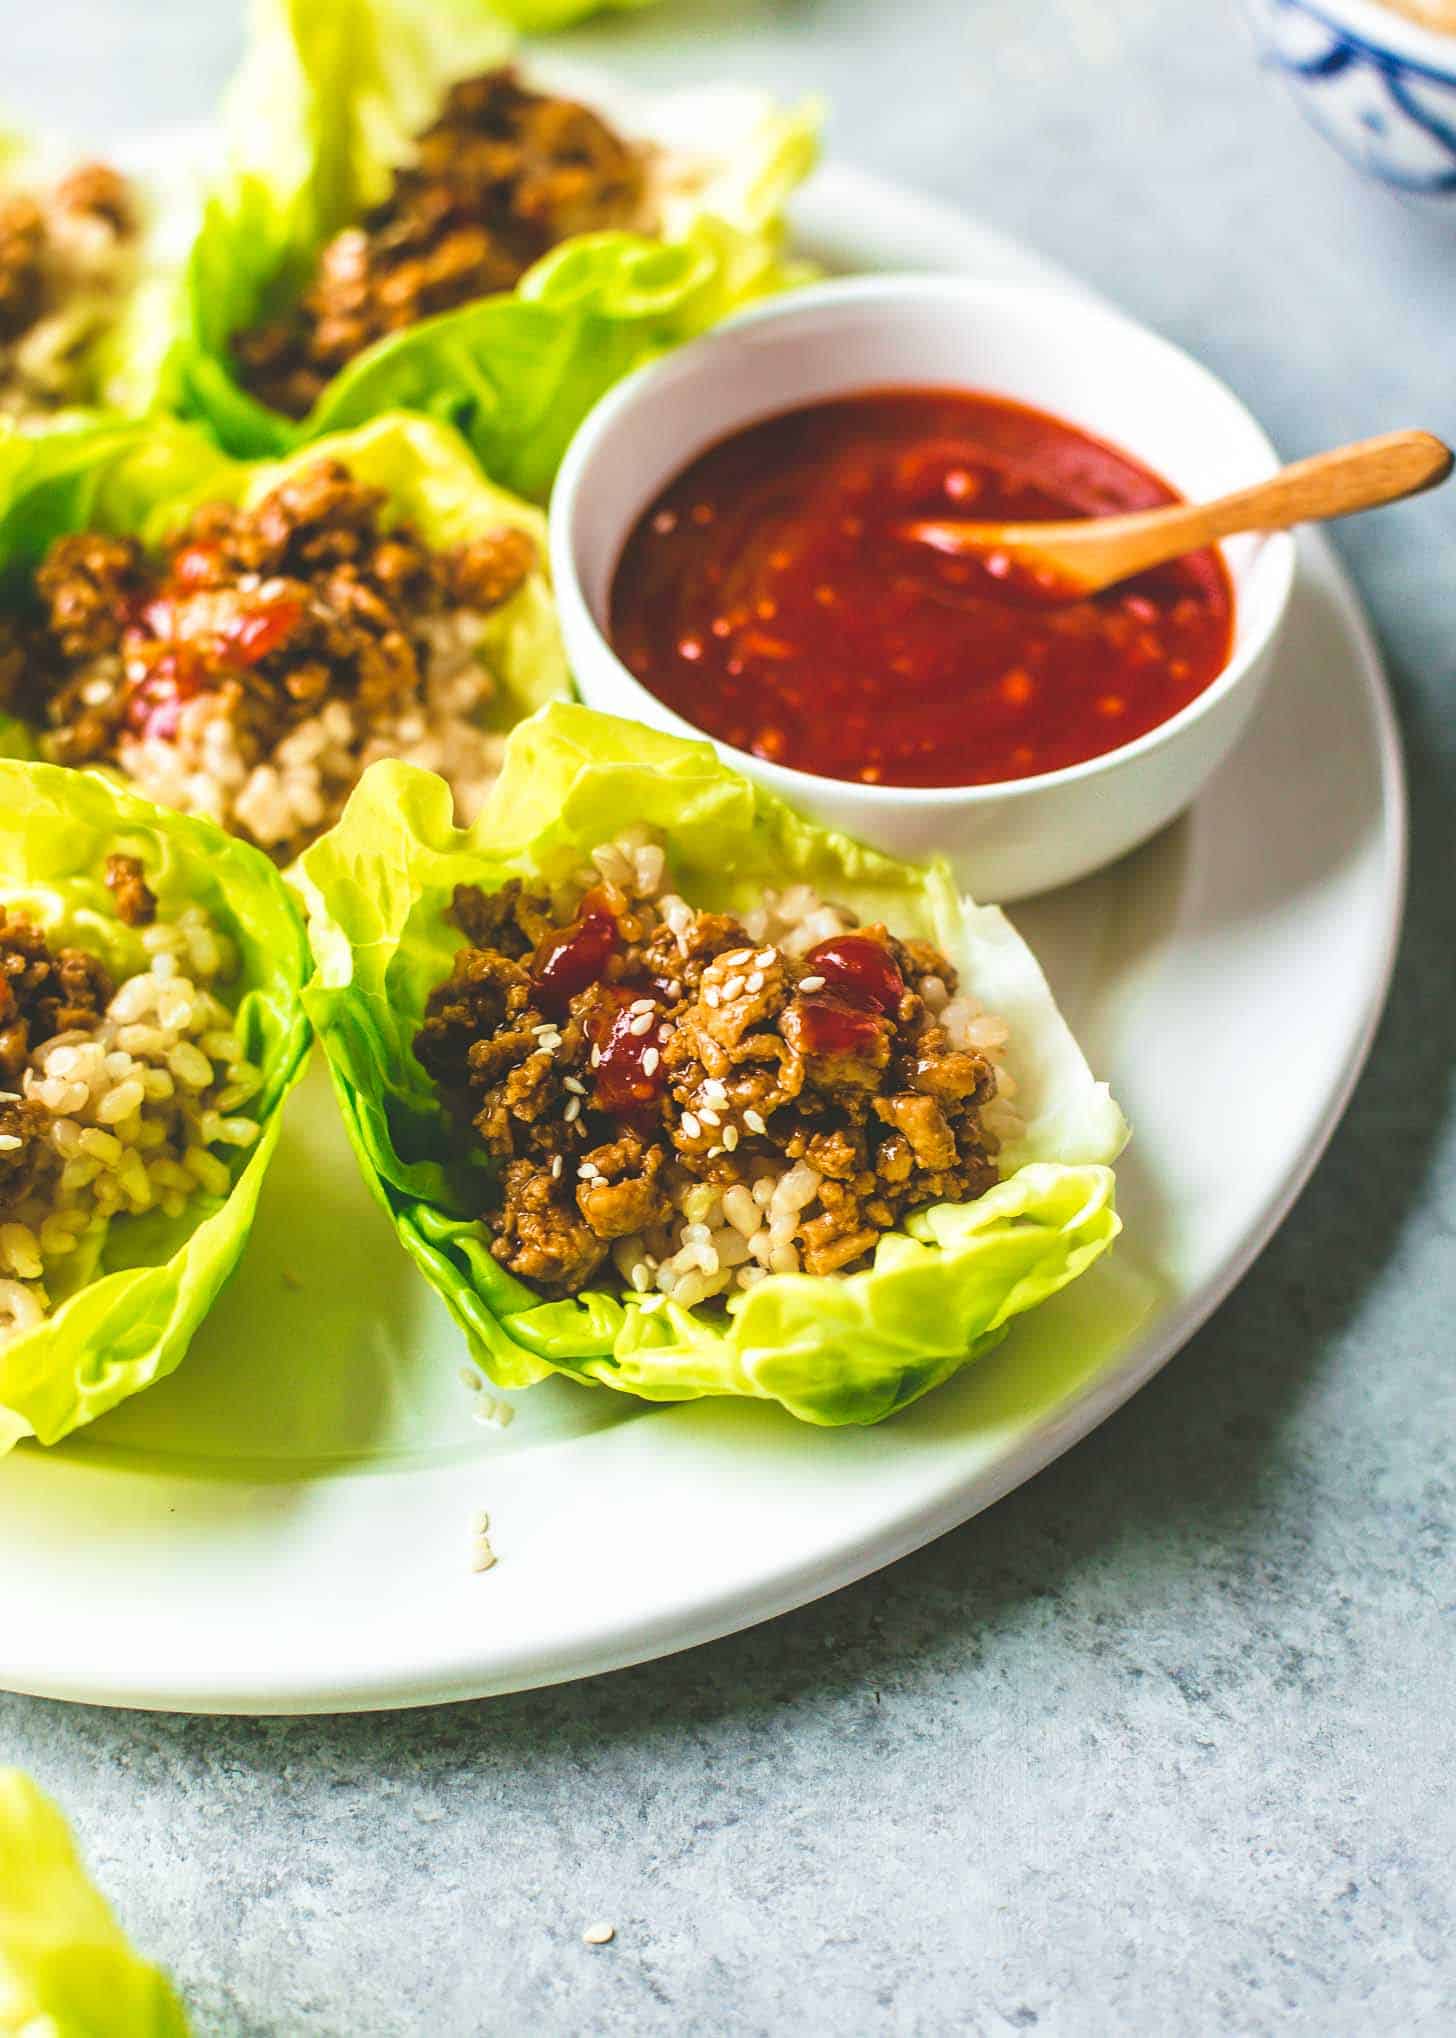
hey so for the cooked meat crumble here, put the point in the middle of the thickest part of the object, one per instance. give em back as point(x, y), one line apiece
point(42, 991)
point(501, 177)
point(699, 1100)
point(254, 672)
point(136, 902)
point(67, 257)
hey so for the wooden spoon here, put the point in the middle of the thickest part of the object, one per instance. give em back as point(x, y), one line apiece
point(1091, 553)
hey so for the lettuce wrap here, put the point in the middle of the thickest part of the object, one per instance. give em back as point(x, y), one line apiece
point(66, 1969)
point(847, 1348)
point(124, 1308)
point(327, 105)
point(104, 319)
point(146, 479)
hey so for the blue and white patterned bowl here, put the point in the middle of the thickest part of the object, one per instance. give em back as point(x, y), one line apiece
point(1379, 86)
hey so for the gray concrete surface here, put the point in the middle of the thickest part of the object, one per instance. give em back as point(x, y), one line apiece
point(1163, 1743)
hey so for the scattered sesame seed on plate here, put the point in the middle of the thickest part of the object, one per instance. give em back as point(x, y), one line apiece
point(811, 983)
point(642, 1024)
point(599, 1935)
point(649, 1062)
point(641, 1005)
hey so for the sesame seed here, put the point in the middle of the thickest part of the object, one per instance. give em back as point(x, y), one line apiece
point(737, 958)
point(587, 1172)
point(714, 1091)
point(690, 1126)
point(596, 1057)
point(570, 1083)
point(754, 1121)
point(665, 1031)
point(730, 1137)
point(641, 1277)
point(642, 1005)
point(481, 1523)
point(9, 1096)
point(755, 981)
point(550, 1041)
point(733, 988)
point(811, 983)
point(766, 958)
point(714, 1151)
point(599, 1935)
point(674, 990)
point(556, 1167)
point(649, 1062)
point(483, 1557)
point(710, 994)
point(573, 1107)
point(546, 1026)
point(708, 1115)
point(471, 1379)
point(9, 1143)
point(641, 1025)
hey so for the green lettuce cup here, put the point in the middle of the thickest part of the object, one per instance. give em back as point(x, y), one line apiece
point(147, 479)
point(831, 1348)
point(92, 258)
point(329, 102)
point(139, 1111)
point(66, 1968)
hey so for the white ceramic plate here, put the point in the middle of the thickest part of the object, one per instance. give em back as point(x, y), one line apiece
point(285, 1525)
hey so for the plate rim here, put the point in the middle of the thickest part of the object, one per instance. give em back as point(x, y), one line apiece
point(453, 1676)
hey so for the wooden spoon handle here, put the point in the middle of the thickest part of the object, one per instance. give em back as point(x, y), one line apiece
point(1095, 552)
point(1334, 484)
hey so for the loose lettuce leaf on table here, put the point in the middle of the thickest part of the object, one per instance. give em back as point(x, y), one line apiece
point(326, 106)
point(541, 17)
point(125, 1319)
point(846, 1348)
point(66, 1969)
point(148, 477)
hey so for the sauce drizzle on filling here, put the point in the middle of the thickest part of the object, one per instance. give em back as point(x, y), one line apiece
point(769, 597)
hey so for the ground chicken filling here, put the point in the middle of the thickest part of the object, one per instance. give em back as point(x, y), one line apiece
point(114, 1100)
point(254, 672)
point(686, 1102)
point(503, 175)
point(68, 258)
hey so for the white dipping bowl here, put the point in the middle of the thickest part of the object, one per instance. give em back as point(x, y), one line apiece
point(1045, 347)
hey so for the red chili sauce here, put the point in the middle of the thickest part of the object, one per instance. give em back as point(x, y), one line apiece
point(770, 597)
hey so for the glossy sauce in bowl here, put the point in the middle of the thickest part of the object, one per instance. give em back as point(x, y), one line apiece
point(767, 595)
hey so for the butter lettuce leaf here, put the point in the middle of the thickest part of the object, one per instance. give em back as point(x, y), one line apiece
point(66, 1969)
point(325, 107)
point(840, 1349)
point(131, 1311)
point(147, 477)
